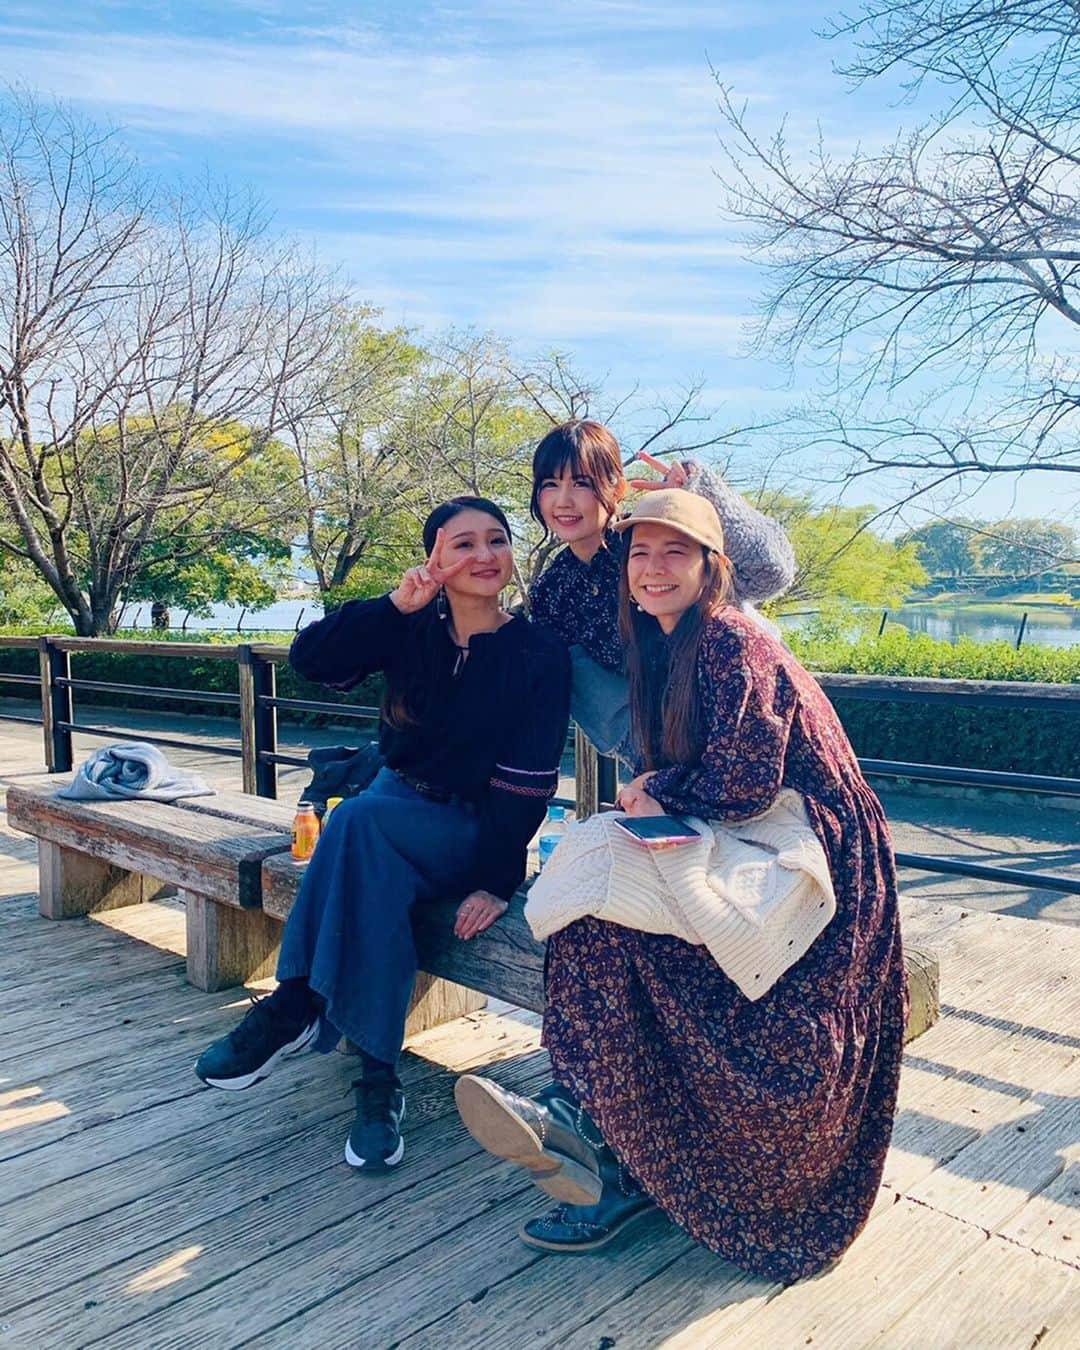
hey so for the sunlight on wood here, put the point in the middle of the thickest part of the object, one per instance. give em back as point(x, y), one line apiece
point(15, 1117)
point(450, 1045)
point(164, 1273)
point(157, 923)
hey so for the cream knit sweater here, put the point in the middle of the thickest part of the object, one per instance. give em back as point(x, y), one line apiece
point(756, 893)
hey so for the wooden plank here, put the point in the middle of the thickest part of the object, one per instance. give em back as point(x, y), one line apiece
point(298, 1171)
point(924, 991)
point(1064, 1332)
point(530, 1298)
point(41, 991)
point(164, 1117)
point(291, 1227)
point(202, 651)
point(996, 693)
point(937, 1117)
point(225, 804)
point(992, 1178)
point(211, 1134)
point(194, 850)
point(687, 1293)
point(998, 1297)
point(887, 1271)
point(435, 1002)
point(1048, 1223)
point(415, 1247)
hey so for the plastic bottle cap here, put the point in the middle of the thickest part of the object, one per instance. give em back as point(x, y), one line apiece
point(557, 812)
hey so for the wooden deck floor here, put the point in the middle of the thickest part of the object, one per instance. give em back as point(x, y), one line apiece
point(139, 1209)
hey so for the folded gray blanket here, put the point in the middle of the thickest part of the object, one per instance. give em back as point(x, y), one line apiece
point(133, 769)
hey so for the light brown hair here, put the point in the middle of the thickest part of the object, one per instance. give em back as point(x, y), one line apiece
point(665, 706)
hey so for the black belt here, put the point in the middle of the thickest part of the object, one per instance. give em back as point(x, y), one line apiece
point(433, 793)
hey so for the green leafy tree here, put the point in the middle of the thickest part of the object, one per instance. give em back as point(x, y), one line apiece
point(839, 557)
point(945, 548)
point(354, 475)
point(1027, 548)
point(24, 597)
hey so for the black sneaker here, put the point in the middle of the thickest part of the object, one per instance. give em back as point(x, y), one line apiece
point(375, 1143)
point(251, 1051)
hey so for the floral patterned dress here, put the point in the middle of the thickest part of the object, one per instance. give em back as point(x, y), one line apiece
point(759, 1127)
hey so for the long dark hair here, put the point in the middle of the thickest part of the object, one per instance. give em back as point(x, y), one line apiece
point(587, 449)
point(665, 704)
point(408, 691)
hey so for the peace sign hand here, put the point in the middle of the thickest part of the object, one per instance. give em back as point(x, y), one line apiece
point(675, 475)
point(420, 585)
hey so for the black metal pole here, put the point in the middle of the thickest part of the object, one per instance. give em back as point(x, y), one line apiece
point(56, 710)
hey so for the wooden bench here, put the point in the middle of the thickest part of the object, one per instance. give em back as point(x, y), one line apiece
point(228, 856)
point(507, 962)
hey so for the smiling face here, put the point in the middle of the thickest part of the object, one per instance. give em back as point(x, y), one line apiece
point(479, 537)
point(665, 571)
point(571, 509)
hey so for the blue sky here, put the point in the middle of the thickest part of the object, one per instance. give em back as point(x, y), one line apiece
point(541, 168)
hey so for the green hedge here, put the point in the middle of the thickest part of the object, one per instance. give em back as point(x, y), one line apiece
point(1035, 741)
point(899, 652)
point(1042, 742)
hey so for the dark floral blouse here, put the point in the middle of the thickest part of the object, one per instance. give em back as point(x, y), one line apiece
point(580, 600)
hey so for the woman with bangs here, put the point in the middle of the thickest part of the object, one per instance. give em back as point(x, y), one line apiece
point(745, 1088)
point(578, 485)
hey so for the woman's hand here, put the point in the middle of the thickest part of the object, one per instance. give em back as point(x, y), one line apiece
point(477, 912)
point(635, 801)
point(676, 475)
point(420, 585)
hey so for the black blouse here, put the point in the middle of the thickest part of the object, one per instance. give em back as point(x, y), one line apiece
point(493, 733)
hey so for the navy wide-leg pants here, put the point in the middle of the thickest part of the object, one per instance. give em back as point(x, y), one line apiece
point(349, 933)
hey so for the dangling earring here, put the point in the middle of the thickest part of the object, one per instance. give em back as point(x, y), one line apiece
point(442, 609)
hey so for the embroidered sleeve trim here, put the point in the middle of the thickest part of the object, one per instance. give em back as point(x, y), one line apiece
point(521, 790)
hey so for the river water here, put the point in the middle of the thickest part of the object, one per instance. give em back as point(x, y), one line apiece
point(1049, 626)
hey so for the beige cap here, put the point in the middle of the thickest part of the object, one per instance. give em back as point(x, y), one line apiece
point(683, 511)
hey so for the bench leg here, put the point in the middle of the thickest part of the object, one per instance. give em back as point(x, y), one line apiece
point(227, 946)
point(72, 884)
point(924, 991)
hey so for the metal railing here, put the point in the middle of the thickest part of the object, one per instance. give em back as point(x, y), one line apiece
point(257, 703)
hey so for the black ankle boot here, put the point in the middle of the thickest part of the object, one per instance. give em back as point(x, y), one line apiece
point(584, 1228)
point(549, 1134)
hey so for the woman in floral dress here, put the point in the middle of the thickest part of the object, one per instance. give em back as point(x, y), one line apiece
point(759, 1126)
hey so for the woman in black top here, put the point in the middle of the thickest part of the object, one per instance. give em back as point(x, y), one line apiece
point(472, 730)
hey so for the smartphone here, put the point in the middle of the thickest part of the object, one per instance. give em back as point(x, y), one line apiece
point(658, 831)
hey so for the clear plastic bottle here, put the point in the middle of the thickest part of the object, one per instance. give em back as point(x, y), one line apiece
point(552, 830)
